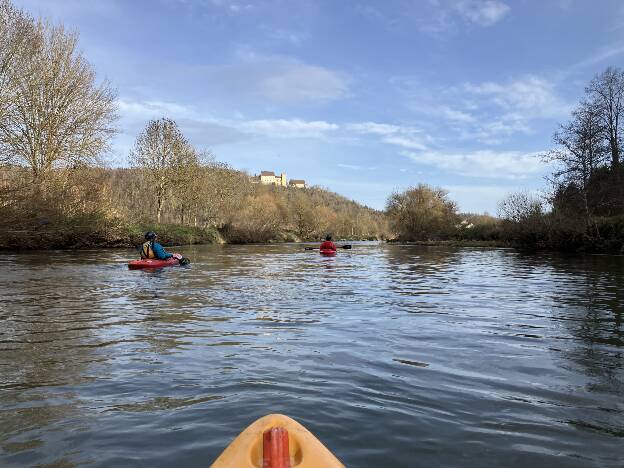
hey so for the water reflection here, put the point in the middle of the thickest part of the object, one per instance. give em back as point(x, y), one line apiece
point(427, 355)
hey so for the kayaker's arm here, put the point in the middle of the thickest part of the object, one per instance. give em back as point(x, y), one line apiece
point(160, 252)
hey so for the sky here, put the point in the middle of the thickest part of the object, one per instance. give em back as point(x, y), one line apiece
point(361, 97)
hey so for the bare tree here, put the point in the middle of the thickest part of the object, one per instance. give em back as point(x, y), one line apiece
point(581, 151)
point(17, 41)
point(165, 155)
point(606, 92)
point(520, 207)
point(581, 147)
point(56, 114)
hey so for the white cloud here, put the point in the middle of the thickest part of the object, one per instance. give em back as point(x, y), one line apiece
point(274, 79)
point(152, 109)
point(405, 142)
point(350, 166)
point(436, 17)
point(484, 163)
point(301, 82)
point(413, 142)
point(495, 132)
point(486, 112)
point(482, 12)
point(237, 8)
point(600, 56)
point(529, 96)
point(374, 128)
point(282, 128)
point(456, 115)
point(398, 135)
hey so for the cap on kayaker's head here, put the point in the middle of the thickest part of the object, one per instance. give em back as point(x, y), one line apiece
point(150, 235)
point(328, 237)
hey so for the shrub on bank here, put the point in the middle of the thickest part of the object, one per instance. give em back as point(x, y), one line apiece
point(422, 213)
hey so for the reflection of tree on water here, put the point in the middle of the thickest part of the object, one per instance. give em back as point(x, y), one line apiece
point(589, 298)
point(421, 259)
point(46, 348)
point(588, 301)
point(420, 276)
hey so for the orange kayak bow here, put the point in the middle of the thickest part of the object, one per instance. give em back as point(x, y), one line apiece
point(276, 441)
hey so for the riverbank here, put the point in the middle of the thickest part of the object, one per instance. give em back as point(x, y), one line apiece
point(125, 236)
point(455, 243)
point(588, 246)
point(130, 236)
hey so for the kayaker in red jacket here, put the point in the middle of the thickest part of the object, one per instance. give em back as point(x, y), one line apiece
point(328, 244)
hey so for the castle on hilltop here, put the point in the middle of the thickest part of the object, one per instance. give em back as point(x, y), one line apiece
point(269, 178)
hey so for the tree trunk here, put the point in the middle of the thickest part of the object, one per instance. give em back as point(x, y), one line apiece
point(615, 153)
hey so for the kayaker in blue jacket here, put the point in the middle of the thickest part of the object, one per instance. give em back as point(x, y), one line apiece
point(152, 249)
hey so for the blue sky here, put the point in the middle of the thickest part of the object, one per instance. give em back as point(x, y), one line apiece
point(360, 97)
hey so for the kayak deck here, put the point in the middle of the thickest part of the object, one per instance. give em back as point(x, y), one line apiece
point(152, 263)
point(276, 441)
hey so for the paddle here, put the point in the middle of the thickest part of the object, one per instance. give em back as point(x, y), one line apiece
point(346, 246)
point(181, 260)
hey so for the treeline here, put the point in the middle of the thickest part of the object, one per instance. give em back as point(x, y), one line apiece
point(211, 195)
point(56, 190)
point(584, 209)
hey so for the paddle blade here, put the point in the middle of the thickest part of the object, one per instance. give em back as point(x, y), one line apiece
point(184, 261)
point(348, 246)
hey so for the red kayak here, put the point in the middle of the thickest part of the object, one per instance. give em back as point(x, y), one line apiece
point(152, 263)
point(327, 252)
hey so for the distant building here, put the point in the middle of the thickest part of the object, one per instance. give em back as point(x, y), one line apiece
point(269, 178)
point(298, 183)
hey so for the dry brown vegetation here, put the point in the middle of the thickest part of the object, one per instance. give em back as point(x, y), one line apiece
point(422, 213)
point(114, 206)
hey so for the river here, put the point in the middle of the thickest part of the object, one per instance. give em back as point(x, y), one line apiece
point(391, 355)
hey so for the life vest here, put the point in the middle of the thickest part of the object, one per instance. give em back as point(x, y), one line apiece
point(327, 245)
point(147, 251)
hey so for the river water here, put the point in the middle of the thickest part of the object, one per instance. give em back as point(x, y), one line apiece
point(392, 355)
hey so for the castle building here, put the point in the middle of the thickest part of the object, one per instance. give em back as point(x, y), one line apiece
point(269, 178)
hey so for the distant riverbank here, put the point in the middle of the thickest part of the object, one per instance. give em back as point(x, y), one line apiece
point(127, 236)
point(455, 243)
point(80, 237)
point(131, 236)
